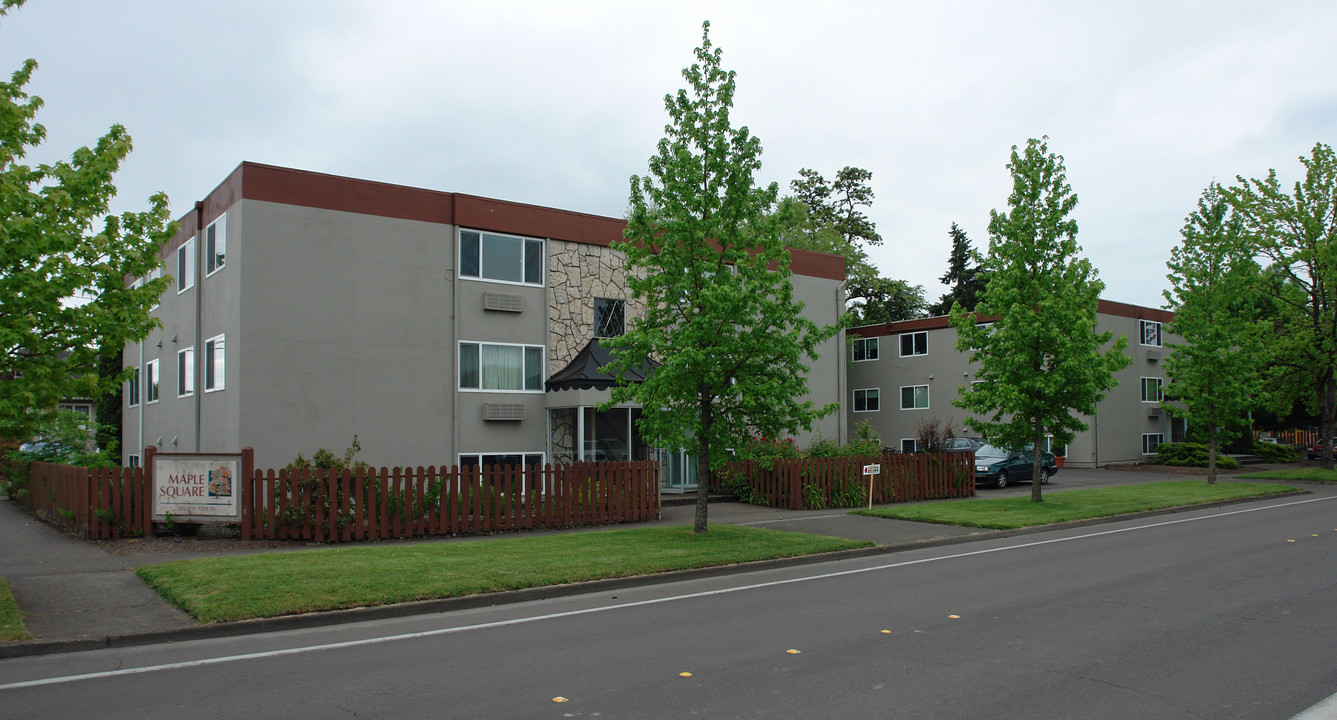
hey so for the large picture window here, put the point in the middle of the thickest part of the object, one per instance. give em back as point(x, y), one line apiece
point(215, 245)
point(1151, 333)
point(914, 343)
point(1151, 442)
point(865, 349)
point(488, 256)
point(1153, 389)
point(914, 397)
point(867, 400)
point(185, 372)
point(508, 368)
point(214, 356)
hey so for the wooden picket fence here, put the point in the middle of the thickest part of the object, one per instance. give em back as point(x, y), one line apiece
point(814, 483)
point(369, 504)
point(424, 502)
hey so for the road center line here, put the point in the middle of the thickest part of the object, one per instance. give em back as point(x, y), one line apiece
point(622, 606)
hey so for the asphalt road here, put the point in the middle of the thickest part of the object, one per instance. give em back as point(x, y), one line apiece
point(1220, 613)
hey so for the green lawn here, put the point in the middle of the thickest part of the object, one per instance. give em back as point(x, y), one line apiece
point(1064, 506)
point(11, 620)
point(268, 585)
point(1307, 474)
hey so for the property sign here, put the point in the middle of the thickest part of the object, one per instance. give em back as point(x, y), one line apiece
point(870, 471)
point(197, 487)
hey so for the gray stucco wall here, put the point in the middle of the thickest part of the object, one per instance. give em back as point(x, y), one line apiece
point(338, 324)
point(1114, 434)
point(345, 329)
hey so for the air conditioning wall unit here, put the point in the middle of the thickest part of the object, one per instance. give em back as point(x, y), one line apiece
point(503, 302)
point(1157, 411)
point(505, 412)
point(1153, 355)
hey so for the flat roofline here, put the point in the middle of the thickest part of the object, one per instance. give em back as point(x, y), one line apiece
point(304, 188)
point(938, 322)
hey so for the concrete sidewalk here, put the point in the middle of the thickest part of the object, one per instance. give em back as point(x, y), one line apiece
point(76, 594)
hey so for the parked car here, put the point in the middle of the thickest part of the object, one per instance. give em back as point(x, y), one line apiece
point(998, 467)
point(964, 444)
point(1315, 451)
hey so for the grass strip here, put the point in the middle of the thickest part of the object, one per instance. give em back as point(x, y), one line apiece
point(1065, 506)
point(241, 587)
point(11, 620)
point(1308, 474)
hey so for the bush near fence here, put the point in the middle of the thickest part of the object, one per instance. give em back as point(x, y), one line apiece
point(816, 483)
point(323, 506)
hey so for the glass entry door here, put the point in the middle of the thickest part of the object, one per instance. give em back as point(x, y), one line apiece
point(677, 470)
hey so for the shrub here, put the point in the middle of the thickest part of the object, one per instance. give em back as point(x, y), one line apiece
point(1190, 454)
point(1272, 452)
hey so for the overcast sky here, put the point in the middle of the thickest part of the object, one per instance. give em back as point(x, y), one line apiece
point(557, 104)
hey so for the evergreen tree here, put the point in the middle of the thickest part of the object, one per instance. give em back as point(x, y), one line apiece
point(963, 276)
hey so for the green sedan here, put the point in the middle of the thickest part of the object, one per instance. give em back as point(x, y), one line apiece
point(997, 467)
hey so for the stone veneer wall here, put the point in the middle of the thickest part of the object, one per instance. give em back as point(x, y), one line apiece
point(578, 273)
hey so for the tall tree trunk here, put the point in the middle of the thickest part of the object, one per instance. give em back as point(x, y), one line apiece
point(1212, 446)
point(1327, 408)
point(703, 463)
point(1037, 458)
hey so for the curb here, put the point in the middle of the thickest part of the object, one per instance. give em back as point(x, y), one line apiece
point(33, 648)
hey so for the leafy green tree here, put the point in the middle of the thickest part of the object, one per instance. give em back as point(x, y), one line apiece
point(63, 291)
point(963, 276)
point(1296, 233)
point(1041, 359)
point(704, 253)
point(837, 203)
point(1214, 372)
point(826, 216)
point(882, 300)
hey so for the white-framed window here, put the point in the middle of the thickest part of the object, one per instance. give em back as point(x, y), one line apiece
point(1153, 389)
point(132, 460)
point(151, 382)
point(185, 266)
point(1151, 333)
point(185, 372)
point(215, 245)
point(610, 317)
point(499, 367)
point(132, 389)
point(914, 343)
point(865, 349)
point(215, 356)
point(504, 258)
point(1151, 442)
point(867, 400)
point(909, 445)
point(154, 274)
point(914, 397)
point(500, 459)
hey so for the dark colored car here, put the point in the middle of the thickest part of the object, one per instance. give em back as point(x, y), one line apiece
point(997, 467)
point(1315, 451)
point(964, 444)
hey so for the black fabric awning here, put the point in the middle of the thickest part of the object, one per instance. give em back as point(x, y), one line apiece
point(584, 371)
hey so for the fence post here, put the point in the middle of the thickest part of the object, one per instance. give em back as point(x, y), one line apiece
point(146, 490)
point(247, 491)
